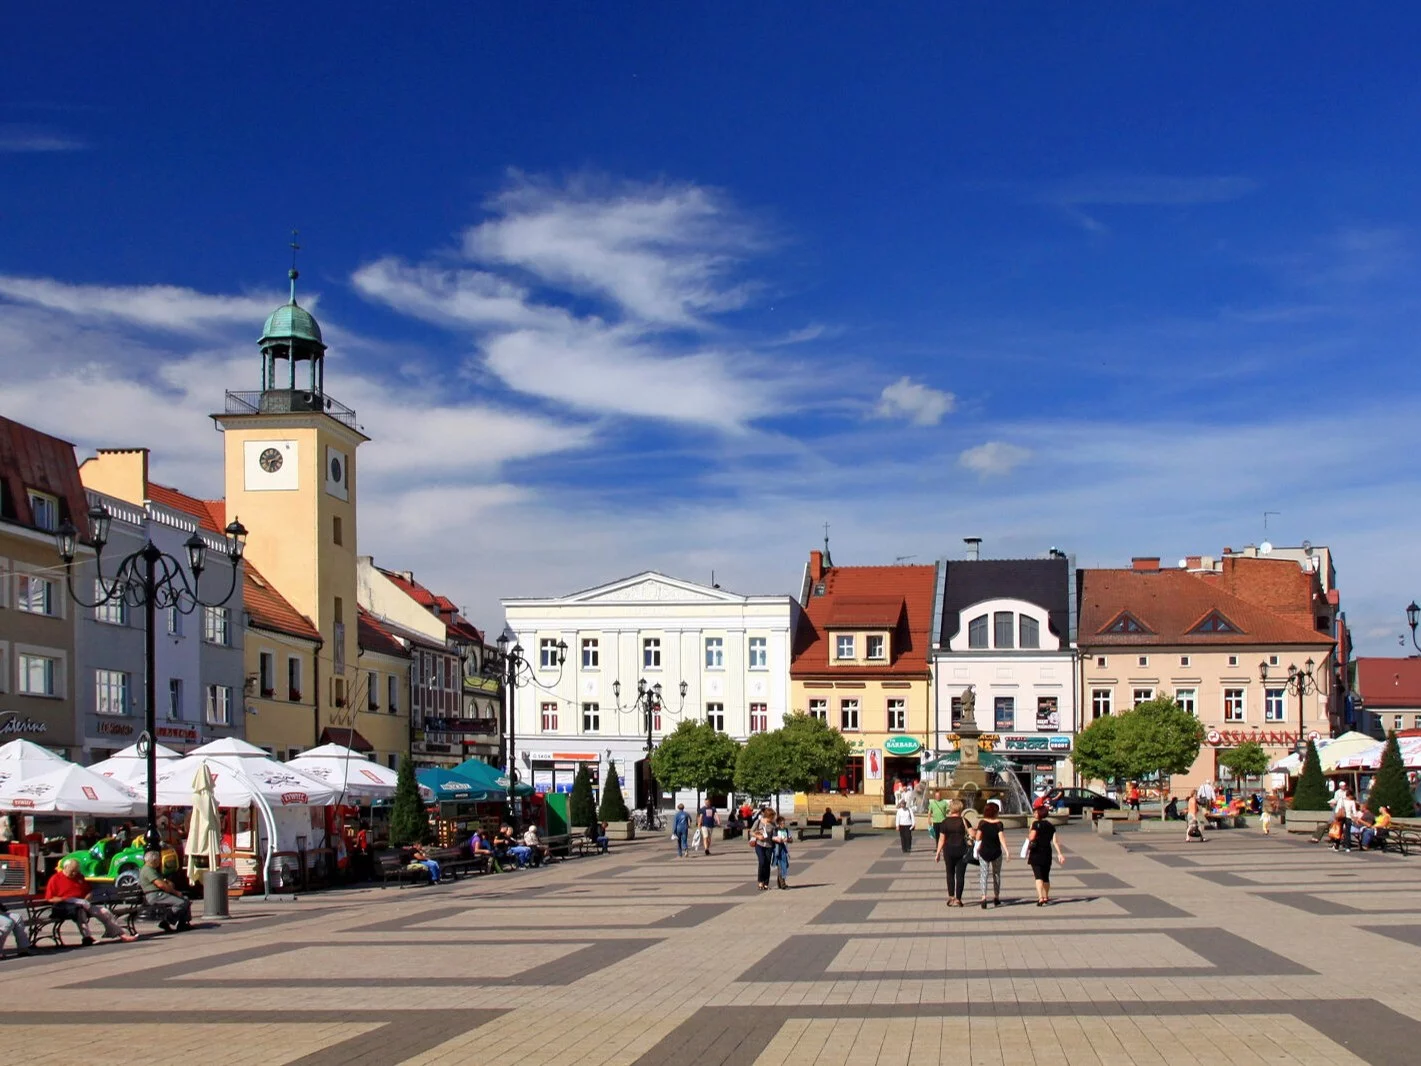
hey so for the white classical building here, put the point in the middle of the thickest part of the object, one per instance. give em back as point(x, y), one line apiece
point(731, 653)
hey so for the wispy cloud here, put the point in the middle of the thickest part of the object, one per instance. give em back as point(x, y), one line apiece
point(22, 138)
point(920, 404)
point(993, 459)
point(166, 307)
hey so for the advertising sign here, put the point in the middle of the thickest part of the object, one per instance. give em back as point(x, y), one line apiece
point(1048, 718)
point(873, 765)
point(902, 745)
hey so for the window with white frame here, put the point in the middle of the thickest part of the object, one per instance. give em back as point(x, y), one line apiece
point(656, 721)
point(1029, 631)
point(759, 653)
point(591, 718)
point(1100, 662)
point(175, 622)
point(897, 716)
point(715, 715)
point(266, 674)
point(219, 705)
point(1143, 660)
point(759, 718)
point(1184, 660)
point(848, 715)
point(874, 647)
point(111, 691)
point(175, 699)
point(1142, 695)
point(372, 691)
point(37, 675)
point(1416, 722)
point(651, 653)
point(956, 711)
point(547, 654)
point(45, 509)
point(113, 610)
point(217, 625)
point(550, 717)
point(293, 680)
point(1233, 660)
point(34, 595)
point(819, 709)
point(1004, 629)
point(1396, 721)
point(977, 632)
point(844, 646)
point(1004, 712)
point(591, 653)
point(1273, 704)
point(1102, 703)
point(1233, 705)
point(715, 653)
point(1187, 700)
point(392, 690)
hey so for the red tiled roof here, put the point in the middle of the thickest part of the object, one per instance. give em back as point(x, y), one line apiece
point(30, 459)
point(1278, 585)
point(210, 514)
point(1171, 603)
point(268, 609)
point(1389, 682)
point(458, 627)
point(374, 637)
point(857, 587)
point(857, 612)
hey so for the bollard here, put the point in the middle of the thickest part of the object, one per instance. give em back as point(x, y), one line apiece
point(214, 894)
point(1105, 827)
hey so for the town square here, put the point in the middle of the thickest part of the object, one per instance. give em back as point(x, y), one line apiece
point(744, 534)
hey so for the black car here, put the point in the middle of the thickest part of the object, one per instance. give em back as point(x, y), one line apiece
point(1077, 800)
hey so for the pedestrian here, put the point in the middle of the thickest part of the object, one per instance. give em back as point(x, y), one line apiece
point(991, 850)
point(680, 826)
point(762, 841)
point(906, 822)
point(14, 923)
point(782, 851)
point(708, 824)
point(937, 811)
point(1345, 808)
point(1038, 854)
point(1193, 828)
point(952, 851)
point(1132, 796)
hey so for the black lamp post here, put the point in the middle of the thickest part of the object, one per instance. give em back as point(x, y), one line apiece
point(1300, 683)
point(1413, 616)
point(149, 578)
point(648, 698)
point(509, 666)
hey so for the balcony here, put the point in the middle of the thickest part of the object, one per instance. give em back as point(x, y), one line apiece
point(285, 401)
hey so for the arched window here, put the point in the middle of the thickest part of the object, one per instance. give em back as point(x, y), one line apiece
point(1004, 623)
point(977, 632)
point(1030, 631)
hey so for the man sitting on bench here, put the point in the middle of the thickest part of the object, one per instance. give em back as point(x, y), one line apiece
point(67, 888)
point(161, 893)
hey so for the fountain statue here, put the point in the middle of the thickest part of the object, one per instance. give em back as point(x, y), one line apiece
point(965, 775)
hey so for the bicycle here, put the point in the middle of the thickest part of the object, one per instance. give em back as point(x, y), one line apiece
point(651, 824)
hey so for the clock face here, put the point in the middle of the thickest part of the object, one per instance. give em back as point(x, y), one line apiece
point(336, 471)
point(270, 460)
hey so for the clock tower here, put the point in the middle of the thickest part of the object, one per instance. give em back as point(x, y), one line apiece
point(291, 475)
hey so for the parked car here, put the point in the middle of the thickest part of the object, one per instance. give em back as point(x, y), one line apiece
point(106, 862)
point(1077, 800)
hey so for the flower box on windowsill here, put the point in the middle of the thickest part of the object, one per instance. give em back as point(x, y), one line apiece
point(268, 693)
point(294, 696)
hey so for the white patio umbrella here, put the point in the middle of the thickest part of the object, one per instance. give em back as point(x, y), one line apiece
point(1371, 758)
point(128, 766)
point(204, 827)
point(240, 781)
point(70, 789)
point(351, 774)
point(21, 760)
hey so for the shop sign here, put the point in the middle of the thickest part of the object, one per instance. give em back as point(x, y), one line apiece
point(902, 745)
point(561, 756)
point(115, 729)
point(13, 724)
point(855, 745)
point(1039, 742)
point(1232, 738)
point(186, 734)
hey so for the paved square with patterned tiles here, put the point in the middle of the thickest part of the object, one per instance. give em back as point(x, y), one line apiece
point(1244, 949)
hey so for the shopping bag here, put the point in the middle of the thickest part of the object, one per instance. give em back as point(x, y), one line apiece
point(1025, 844)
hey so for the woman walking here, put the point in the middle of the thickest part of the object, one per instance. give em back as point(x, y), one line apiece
point(952, 850)
point(762, 839)
point(782, 851)
point(991, 849)
point(906, 822)
point(1038, 854)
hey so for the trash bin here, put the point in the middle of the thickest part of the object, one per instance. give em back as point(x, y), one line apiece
point(214, 894)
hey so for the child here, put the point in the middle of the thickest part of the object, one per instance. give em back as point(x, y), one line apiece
point(782, 851)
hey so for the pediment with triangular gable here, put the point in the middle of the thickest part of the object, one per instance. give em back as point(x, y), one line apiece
point(652, 587)
point(1213, 622)
point(1126, 624)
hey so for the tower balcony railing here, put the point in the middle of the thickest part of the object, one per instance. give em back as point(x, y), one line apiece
point(285, 401)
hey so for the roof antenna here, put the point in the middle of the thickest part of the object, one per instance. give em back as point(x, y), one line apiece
point(713, 584)
point(828, 559)
point(293, 273)
point(902, 558)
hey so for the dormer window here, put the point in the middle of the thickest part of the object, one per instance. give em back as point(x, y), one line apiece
point(1125, 623)
point(977, 632)
point(1002, 623)
point(1030, 630)
point(1216, 623)
point(45, 509)
point(844, 646)
point(875, 647)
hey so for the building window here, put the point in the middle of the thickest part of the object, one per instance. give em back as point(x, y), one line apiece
point(848, 715)
point(715, 653)
point(338, 636)
point(1100, 662)
point(1102, 702)
point(897, 716)
point(977, 632)
point(844, 646)
point(34, 595)
point(217, 625)
point(591, 654)
point(550, 718)
point(372, 691)
point(338, 691)
point(1233, 660)
point(1004, 712)
point(392, 693)
point(1143, 695)
point(715, 715)
point(1185, 697)
point(956, 711)
point(759, 718)
point(1184, 660)
point(266, 673)
point(547, 654)
point(591, 718)
point(175, 699)
point(656, 721)
point(1048, 714)
point(336, 531)
point(37, 675)
point(875, 647)
point(219, 705)
point(759, 653)
point(1272, 660)
point(1273, 705)
point(111, 691)
point(1396, 721)
point(113, 611)
point(651, 653)
point(819, 709)
point(1143, 660)
point(1003, 626)
point(1233, 705)
point(293, 679)
point(1030, 632)
point(175, 622)
point(1416, 722)
point(45, 509)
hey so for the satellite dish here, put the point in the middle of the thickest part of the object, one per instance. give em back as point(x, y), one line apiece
point(1307, 547)
point(1184, 564)
point(1265, 548)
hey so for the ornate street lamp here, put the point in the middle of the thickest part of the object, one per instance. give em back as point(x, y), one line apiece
point(149, 578)
point(648, 699)
point(1300, 683)
point(511, 668)
point(1413, 617)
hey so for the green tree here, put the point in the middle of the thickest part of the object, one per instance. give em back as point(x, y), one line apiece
point(614, 807)
point(766, 766)
point(1095, 755)
point(1247, 760)
point(1157, 737)
point(695, 755)
point(409, 822)
point(815, 752)
point(582, 808)
point(1390, 787)
point(1311, 791)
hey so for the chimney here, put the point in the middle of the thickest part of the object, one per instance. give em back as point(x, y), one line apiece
point(118, 472)
point(1145, 563)
point(974, 547)
point(816, 566)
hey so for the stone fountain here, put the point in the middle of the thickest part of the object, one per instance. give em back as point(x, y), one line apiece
point(973, 783)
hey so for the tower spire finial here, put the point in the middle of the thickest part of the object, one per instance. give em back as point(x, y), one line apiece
point(293, 273)
point(828, 559)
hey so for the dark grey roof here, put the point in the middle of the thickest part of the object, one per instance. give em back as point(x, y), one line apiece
point(1044, 582)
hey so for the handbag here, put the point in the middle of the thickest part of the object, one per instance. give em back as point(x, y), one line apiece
point(1025, 846)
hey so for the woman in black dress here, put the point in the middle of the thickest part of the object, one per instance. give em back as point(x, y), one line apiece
point(953, 849)
point(1038, 854)
point(991, 849)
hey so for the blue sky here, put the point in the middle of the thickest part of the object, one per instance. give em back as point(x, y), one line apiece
point(653, 285)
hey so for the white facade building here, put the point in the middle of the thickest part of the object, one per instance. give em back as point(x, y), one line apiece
point(732, 652)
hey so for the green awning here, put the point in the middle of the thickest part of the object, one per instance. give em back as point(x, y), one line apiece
point(490, 777)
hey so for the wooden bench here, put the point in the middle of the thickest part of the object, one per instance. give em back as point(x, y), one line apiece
point(129, 907)
point(815, 829)
point(391, 868)
point(455, 863)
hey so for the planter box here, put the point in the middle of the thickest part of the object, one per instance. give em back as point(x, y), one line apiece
point(839, 832)
point(1306, 821)
point(621, 831)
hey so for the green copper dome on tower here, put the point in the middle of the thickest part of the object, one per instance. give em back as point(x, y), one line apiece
point(291, 322)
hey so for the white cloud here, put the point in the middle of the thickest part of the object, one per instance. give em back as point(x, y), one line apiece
point(993, 459)
point(20, 138)
point(920, 404)
point(167, 307)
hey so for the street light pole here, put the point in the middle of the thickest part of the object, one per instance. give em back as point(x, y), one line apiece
point(648, 697)
point(1300, 683)
point(509, 665)
point(148, 578)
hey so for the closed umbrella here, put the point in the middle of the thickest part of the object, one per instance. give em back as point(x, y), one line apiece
point(204, 830)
